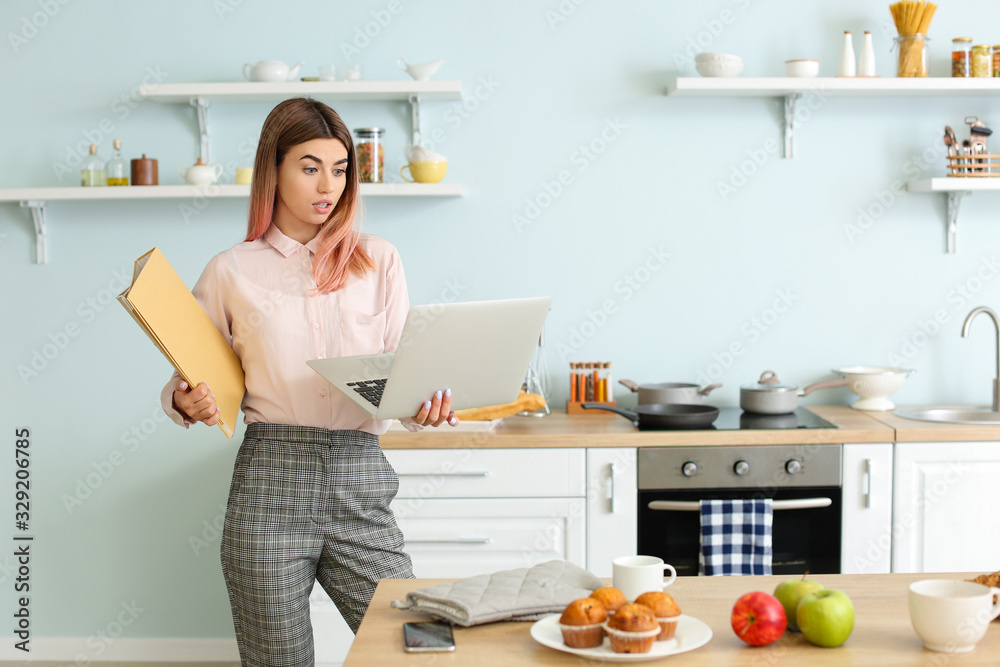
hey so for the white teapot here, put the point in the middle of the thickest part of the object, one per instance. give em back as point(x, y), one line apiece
point(421, 72)
point(200, 173)
point(271, 70)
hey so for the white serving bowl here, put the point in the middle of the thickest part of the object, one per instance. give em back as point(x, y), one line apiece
point(718, 64)
point(874, 385)
point(804, 68)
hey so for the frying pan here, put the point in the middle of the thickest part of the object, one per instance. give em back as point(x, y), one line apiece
point(663, 416)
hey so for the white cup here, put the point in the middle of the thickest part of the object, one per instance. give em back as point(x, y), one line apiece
point(951, 616)
point(635, 575)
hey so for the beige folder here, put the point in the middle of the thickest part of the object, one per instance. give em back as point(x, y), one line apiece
point(164, 307)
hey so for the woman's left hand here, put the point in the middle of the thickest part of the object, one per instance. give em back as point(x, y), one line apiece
point(436, 411)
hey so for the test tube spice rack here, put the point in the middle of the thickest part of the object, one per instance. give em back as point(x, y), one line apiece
point(589, 382)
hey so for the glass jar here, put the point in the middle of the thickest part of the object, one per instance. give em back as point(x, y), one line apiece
point(982, 60)
point(912, 55)
point(996, 60)
point(371, 154)
point(961, 57)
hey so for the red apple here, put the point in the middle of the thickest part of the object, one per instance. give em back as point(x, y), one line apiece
point(759, 619)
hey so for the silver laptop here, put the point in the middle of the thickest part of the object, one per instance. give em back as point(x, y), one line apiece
point(479, 349)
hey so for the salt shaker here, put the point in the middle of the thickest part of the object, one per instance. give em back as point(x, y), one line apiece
point(847, 65)
point(866, 65)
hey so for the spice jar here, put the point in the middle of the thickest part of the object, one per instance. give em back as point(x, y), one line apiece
point(982, 60)
point(961, 57)
point(996, 60)
point(371, 154)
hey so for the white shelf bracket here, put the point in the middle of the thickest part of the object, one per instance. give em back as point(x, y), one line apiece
point(201, 104)
point(38, 217)
point(954, 202)
point(790, 101)
point(415, 113)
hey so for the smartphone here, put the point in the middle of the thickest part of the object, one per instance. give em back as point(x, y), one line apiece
point(428, 636)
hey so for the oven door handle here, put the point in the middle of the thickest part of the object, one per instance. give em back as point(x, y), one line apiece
point(695, 506)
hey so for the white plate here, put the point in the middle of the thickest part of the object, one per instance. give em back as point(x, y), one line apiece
point(691, 633)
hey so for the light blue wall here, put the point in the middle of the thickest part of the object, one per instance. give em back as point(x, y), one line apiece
point(537, 90)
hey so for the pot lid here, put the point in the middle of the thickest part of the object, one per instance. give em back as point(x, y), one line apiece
point(770, 383)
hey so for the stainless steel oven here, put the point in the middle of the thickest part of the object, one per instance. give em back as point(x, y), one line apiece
point(804, 481)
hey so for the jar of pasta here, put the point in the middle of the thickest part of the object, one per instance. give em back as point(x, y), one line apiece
point(982, 60)
point(371, 154)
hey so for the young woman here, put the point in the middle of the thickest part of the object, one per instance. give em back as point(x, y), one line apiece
point(311, 489)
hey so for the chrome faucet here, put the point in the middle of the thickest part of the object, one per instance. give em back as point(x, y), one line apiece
point(996, 323)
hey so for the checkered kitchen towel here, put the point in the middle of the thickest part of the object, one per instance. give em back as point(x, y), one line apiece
point(735, 537)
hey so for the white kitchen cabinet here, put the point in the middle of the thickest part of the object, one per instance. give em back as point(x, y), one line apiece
point(866, 527)
point(612, 505)
point(465, 512)
point(945, 496)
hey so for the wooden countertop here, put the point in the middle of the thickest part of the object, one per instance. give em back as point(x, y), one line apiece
point(882, 633)
point(610, 430)
point(911, 430)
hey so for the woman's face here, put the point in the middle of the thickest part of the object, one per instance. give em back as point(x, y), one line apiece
point(311, 179)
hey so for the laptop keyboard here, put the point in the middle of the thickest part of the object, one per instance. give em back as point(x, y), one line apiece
point(370, 389)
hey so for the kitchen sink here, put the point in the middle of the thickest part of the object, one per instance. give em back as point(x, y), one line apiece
point(951, 414)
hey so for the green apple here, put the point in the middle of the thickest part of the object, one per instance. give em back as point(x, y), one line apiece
point(825, 617)
point(790, 592)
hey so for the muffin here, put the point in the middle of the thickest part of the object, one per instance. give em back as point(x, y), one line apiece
point(582, 623)
point(610, 597)
point(632, 629)
point(666, 611)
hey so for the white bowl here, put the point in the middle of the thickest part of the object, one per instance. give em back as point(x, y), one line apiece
point(718, 64)
point(806, 68)
point(874, 385)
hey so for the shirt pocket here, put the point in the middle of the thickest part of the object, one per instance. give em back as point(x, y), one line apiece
point(361, 333)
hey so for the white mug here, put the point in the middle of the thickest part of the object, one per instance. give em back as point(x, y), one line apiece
point(951, 616)
point(635, 575)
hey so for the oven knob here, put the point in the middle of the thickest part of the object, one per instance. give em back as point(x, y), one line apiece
point(689, 469)
point(741, 468)
point(793, 467)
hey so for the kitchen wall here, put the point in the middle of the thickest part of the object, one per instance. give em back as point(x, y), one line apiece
point(675, 240)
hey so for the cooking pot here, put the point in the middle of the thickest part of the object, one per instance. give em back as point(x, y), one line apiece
point(769, 397)
point(674, 393)
point(662, 416)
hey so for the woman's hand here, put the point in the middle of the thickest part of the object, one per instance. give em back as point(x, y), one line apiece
point(198, 403)
point(436, 411)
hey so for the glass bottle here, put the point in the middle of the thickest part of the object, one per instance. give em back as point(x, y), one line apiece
point(982, 60)
point(116, 168)
point(961, 57)
point(92, 171)
point(371, 154)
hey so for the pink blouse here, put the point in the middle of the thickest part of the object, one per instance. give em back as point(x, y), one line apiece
point(258, 294)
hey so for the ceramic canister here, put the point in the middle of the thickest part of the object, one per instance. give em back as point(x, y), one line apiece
point(144, 171)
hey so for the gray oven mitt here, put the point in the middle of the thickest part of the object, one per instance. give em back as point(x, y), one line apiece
point(525, 594)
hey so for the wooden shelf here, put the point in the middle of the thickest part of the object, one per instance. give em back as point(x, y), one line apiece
point(211, 191)
point(251, 91)
point(954, 188)
point(36, 198)
point(780, 86)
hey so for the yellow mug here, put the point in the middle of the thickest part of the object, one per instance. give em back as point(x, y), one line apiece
point(424, 172)
point(243, 176)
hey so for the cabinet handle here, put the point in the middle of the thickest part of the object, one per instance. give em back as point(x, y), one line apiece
point(868, 483)
point(460, 473)
point(612, 496)
point(452, 540)
point(694, 506)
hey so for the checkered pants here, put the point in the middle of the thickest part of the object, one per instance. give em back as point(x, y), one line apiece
point(305, 504)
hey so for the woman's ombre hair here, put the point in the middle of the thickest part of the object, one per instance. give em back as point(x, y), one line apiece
point(293, 122)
